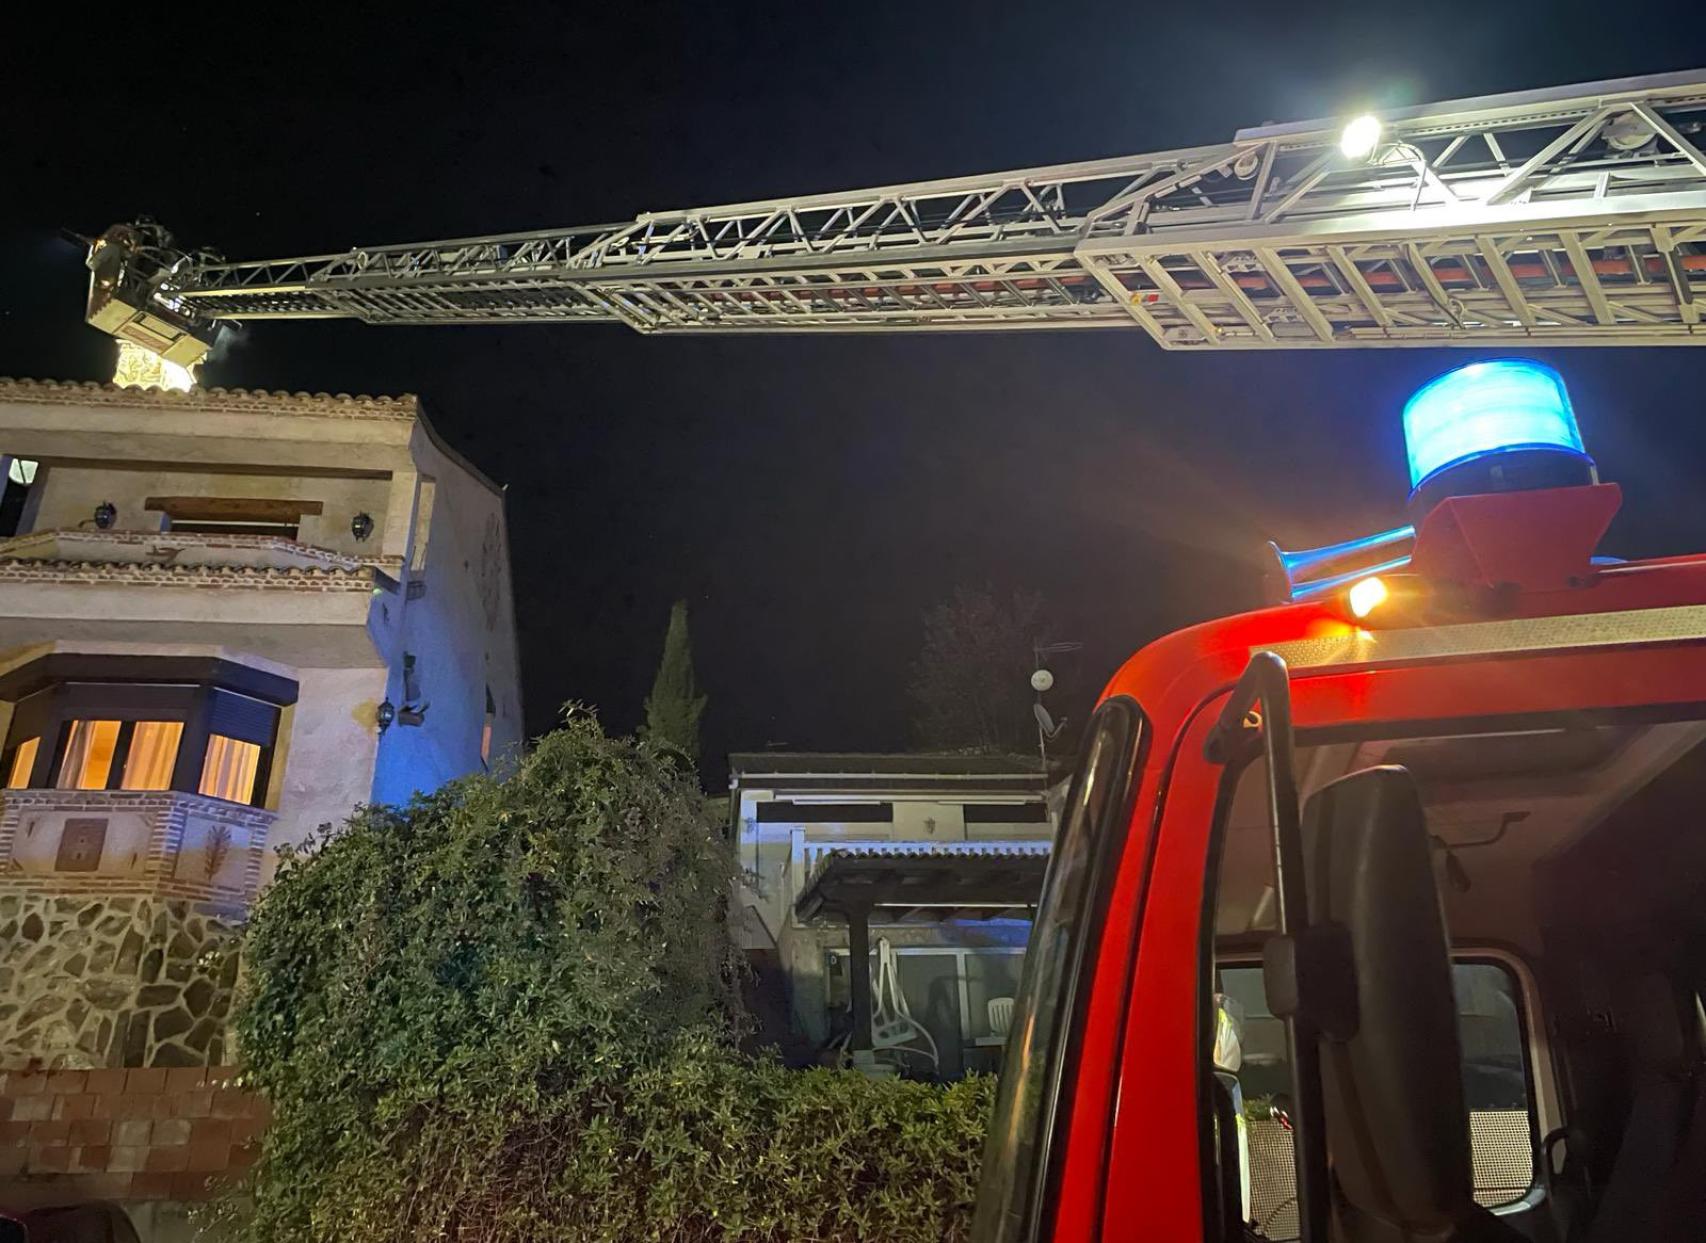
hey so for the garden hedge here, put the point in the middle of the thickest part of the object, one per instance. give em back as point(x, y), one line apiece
point(508, 1012)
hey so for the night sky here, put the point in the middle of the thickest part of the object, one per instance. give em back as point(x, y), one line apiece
point(809, 496)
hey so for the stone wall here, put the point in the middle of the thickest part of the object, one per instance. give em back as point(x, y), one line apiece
point(111, 981)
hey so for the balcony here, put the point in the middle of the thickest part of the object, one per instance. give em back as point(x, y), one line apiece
point(280, 598)
point(163, 843)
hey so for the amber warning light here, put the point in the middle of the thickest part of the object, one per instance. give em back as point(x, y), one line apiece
point(1366, 595)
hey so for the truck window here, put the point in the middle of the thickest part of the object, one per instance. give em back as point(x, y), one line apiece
point(1495, 1078)
point(1030, 1101)
point(1497, 803)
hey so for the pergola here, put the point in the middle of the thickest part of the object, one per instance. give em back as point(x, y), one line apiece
point(948, 880)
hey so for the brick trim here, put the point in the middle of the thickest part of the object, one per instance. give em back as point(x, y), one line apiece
point(22, 544)
point(219, 577)
point(228, 400)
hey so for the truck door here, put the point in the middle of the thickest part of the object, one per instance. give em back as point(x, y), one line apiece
point(1023, 1163)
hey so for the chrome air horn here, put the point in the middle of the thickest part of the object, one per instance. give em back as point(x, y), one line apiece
point(1312, 572)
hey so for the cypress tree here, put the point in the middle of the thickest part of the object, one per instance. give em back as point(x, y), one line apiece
point(675, 704)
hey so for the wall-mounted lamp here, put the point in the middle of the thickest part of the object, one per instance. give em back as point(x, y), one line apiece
point(385, 714)
point(361, 526)
point(106, 513)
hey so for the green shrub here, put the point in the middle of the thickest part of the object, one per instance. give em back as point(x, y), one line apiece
point(506, 1012)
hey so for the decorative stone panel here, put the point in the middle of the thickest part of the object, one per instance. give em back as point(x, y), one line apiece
point(166, 843)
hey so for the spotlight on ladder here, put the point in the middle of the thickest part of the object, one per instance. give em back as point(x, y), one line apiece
point(1360, 137)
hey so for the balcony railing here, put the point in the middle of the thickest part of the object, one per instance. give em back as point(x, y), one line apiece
point(167, 556)
point(804, 854)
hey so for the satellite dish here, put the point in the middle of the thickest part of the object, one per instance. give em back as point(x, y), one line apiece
point(1041, 680)
point(1047, 723)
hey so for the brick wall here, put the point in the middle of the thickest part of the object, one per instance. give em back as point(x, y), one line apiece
point(126, 1135)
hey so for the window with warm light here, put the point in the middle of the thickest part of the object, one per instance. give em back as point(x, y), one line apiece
point(23, 764)
point(153, 755)
point(230, 769)
point(105, 722)
point(87, 761)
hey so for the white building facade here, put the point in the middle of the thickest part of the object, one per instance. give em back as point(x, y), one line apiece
point(926, 866)
point(226, 618)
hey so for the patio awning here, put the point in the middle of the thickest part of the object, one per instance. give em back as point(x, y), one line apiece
point(941, 880)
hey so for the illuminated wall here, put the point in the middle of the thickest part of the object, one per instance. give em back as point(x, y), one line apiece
point(140, 368)
point(460, 630)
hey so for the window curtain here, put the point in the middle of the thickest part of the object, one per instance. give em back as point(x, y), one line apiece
point(88, 755)
point(229, 770)
point(153, 753)
point(23, 763)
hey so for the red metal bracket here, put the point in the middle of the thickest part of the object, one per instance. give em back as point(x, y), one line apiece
point(1541, 540)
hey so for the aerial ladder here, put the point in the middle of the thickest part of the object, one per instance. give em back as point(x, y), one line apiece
point(1567, 216)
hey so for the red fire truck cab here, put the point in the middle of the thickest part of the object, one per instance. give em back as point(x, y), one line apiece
point(1381, 914)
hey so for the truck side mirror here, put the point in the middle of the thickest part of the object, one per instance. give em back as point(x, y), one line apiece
point(1391, 1072)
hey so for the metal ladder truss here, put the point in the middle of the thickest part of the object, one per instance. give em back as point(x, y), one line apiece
point(1574, 216)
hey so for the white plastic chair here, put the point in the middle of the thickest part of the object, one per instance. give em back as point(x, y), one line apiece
point(1000, 1015)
